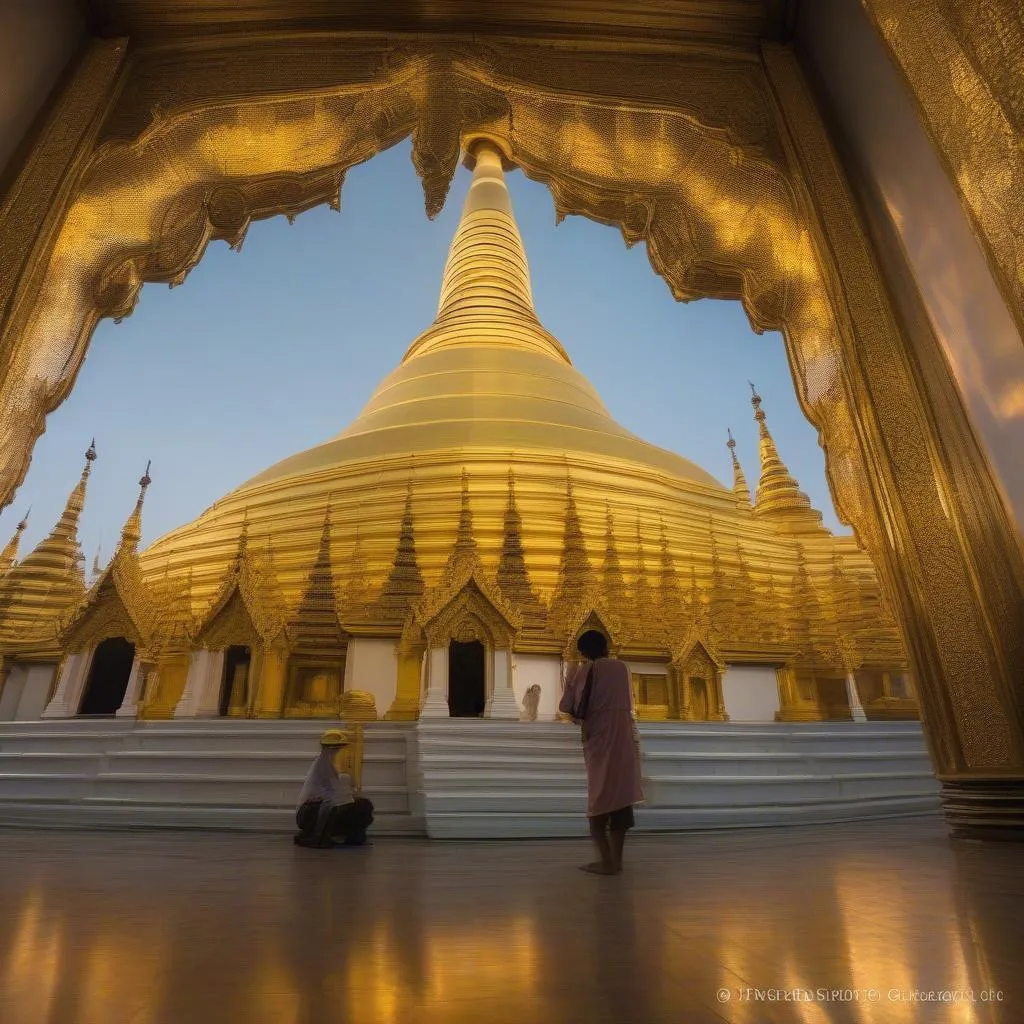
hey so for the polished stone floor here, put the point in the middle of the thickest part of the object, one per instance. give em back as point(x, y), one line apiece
point(106, 928)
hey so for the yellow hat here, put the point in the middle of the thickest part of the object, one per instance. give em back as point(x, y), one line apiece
point(334, 738)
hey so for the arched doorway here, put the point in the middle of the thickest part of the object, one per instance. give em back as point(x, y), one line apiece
point(109, 672)
point(234, 680)
point(467, 679)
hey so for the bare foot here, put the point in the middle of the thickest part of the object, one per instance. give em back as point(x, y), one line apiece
point(597, 868)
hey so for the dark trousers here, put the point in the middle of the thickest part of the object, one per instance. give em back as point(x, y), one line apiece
point(347, 822)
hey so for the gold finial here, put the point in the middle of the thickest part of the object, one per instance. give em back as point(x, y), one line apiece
point(132, 531)
point(779, 497)
point(739, 480)
point(10, 551)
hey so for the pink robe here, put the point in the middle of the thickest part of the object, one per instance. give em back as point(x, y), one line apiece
point(610, 748)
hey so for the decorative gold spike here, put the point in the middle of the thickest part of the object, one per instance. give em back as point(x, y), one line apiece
point(9, 555)
point(403, 586)
point(612, 580)
point(739, 481)
point(779, 498)
point(512, 577)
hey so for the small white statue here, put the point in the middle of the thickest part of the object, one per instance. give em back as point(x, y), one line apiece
point(530, 702)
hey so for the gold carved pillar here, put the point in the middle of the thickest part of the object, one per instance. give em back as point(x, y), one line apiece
point(270, 682)
point(406, 705)
point(937, 529)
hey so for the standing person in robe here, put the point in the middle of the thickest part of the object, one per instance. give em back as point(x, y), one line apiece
point(599, 698)
point(329, 811)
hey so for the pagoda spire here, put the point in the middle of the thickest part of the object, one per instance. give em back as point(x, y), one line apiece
point(357, 585)
point(131, 533)
point(465, 550)
point(575, 576)
point(485, 293)
point(9, 555)
point(316, 618)
point(404, 583)
point(59, 553)
point(513, 577)
point(670, 593)
point(613, 583)
point(49, 579)
point(779, 498)
point(740, 489)
point(643, 604)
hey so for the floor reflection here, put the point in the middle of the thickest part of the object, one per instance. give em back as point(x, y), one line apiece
point(152, 929)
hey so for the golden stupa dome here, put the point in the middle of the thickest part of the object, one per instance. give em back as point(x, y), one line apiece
point(484, 389)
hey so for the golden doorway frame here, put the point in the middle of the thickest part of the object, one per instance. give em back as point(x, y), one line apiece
point(717, 159)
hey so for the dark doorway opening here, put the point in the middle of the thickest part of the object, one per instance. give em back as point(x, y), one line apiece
point(109, 673)
point(467, 686)
point(235, 678)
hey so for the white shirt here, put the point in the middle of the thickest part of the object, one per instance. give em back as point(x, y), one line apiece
point(325, 783)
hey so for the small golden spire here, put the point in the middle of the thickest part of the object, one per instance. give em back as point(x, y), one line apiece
point(404, 584)
point(739, 481)
point(612, 580)
point(465, 542)
point(9, 554)
point(779, 498)
point(575, 576)
point(513, 577)
point(132, 531)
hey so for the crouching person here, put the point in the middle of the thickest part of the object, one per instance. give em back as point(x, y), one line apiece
point(329, 812)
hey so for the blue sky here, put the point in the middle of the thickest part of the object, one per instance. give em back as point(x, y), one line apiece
point(266, 352)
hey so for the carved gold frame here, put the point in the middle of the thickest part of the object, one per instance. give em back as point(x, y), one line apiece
point(719, 161)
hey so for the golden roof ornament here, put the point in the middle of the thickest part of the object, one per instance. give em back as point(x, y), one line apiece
point(9, 555)
point(49, 580)
point(739, 481)
point(779, 498)
point(317, 625)
point(670, 592)
point(575, 576)
point(643, 610)
point(403, 586)
point(613, 583)
point(118, 603)
point(131, 534)
point(513, 577)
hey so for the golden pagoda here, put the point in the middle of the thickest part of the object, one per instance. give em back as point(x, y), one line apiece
point(442, 553)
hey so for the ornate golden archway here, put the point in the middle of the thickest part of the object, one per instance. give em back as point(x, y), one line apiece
point(717, 160)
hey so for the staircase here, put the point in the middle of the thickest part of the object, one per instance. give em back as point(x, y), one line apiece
point(197, 774)
point(457, 778)
point(490, 780)
point(707, 775)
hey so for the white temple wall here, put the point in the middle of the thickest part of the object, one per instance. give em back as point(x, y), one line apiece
point(372, 666)
point(647, 668)
point(546, 671)
point(751, 693)
point(10, 695)
point(36, 692)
